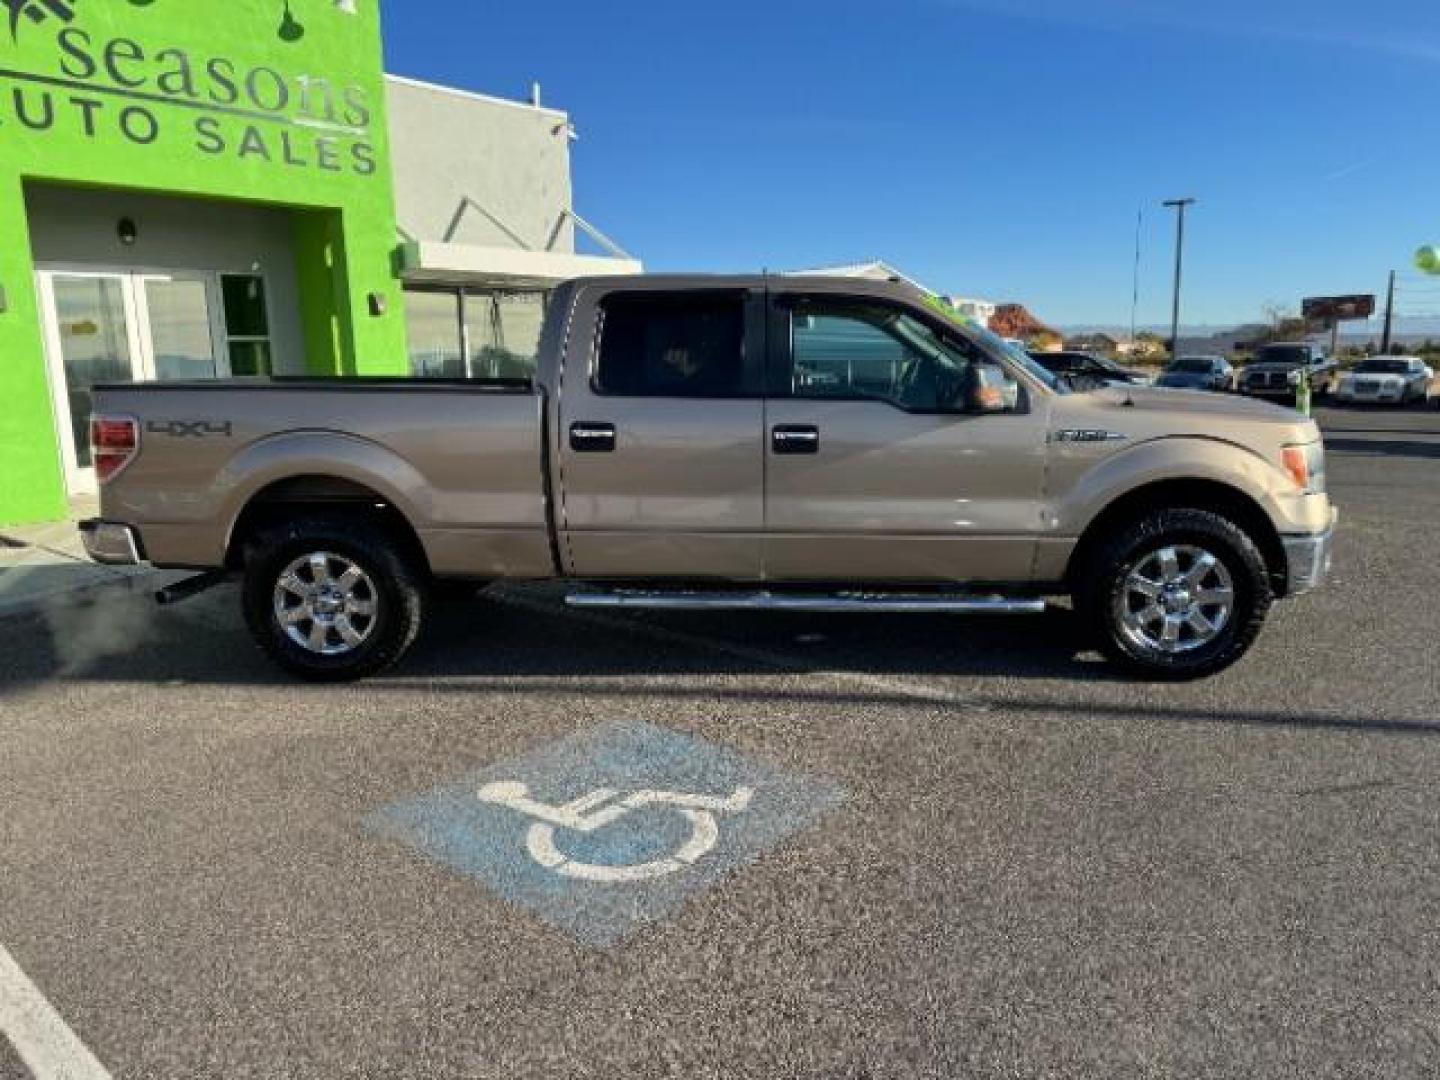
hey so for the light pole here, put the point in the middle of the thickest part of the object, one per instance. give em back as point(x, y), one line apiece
point(1180, 206)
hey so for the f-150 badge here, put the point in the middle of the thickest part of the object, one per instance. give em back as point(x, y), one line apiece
point(1089, 436)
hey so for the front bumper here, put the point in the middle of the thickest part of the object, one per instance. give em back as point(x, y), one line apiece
point(1287, 392)
point(1376, 397)
point(110, 543)
point(1308, 559)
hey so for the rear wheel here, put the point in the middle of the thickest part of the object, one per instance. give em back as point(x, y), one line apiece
point(1179, 594)
point(332, 599)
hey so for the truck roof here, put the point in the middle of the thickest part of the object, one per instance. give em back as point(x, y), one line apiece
point(810, 283)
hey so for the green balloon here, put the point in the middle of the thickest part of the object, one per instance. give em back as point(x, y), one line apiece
point(1427, 259)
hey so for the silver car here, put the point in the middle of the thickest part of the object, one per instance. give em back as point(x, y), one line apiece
point(1198, 373)
point(1386, 380)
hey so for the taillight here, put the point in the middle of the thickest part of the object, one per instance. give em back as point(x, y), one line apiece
point(114, 442)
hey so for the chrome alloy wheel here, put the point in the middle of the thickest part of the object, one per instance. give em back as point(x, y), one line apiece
point(1176, 599)
point(326, 603)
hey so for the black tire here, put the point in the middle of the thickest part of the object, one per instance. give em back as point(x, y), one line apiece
point(1100, 592)
point(394, 586)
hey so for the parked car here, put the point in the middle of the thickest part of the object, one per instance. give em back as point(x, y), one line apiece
point(1276, 371)
point(1386, 380)
point(1086, 371)
point(870, 454)
point(1198, 373)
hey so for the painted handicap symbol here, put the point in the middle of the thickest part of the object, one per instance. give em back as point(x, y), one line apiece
point(605, 806)
point(603, 866)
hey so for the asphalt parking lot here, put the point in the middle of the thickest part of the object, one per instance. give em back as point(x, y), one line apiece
point(986, 857)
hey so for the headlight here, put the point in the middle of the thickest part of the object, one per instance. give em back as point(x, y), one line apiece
point(1295, 377)
point(1305, 464)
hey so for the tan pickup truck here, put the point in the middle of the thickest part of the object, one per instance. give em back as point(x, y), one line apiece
point(718, 443)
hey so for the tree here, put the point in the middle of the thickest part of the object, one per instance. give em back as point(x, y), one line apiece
point(1281, 325)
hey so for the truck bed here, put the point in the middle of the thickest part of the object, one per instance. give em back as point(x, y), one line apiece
point(463, 459)
point(348, 383)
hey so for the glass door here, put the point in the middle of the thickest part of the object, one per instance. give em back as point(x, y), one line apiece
point(103, 326)
point(91, 338)
point(176, 315)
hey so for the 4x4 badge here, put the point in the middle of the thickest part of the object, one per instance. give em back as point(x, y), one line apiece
point(191, 429)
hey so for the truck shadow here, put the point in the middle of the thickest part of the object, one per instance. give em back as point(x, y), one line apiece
point(740, 642)
point(493, 650)
point(514, 644)
point(522, 633)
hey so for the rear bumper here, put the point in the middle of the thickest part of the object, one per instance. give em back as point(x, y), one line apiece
point(1308, 559)
point(110, 543)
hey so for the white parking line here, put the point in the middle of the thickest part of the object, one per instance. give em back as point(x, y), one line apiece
point(40, 1037)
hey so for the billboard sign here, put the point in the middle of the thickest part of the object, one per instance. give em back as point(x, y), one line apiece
point(1332, 309)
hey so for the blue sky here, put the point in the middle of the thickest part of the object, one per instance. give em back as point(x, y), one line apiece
point(988, 148)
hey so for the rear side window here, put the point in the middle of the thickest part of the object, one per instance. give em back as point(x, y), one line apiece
point(672, 346)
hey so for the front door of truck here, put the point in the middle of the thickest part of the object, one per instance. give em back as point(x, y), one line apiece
point(878, 467)
point(661, 459)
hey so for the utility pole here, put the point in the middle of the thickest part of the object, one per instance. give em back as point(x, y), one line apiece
point(1389, 318)
point(1180, 206)
point(1135, 282)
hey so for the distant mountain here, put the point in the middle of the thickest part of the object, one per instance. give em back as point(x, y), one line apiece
point(1122, 333)
point(1215, 335)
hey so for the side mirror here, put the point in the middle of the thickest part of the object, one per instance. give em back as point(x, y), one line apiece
point(993, 391)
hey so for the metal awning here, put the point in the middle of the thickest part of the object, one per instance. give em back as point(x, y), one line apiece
point(432, 261)
point(525, 265)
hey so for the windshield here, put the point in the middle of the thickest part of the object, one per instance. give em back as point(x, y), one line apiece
point(1283, 354)
point(1018, 356)
point(1014, 353)
point(1383, 367)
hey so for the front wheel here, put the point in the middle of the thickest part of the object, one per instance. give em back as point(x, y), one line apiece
point(1179, 594)
point(332, 599)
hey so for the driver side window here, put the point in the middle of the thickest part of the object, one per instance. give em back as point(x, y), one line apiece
point(855, 352)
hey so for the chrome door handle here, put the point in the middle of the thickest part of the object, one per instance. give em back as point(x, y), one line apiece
point(795, 439)
point(592, 438)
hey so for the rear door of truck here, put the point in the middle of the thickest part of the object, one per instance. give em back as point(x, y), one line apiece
point(660, 442)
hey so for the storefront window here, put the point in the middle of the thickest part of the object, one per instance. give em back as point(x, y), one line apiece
point(432, 319)
point(474, 333)
point(247, 324)
point(178, 311)
point(503, 329)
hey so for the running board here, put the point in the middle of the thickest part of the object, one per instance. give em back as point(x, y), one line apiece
point(904, 603)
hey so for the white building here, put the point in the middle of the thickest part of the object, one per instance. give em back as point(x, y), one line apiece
point(980, 311)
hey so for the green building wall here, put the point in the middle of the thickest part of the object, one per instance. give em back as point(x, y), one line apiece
point(217, 99)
